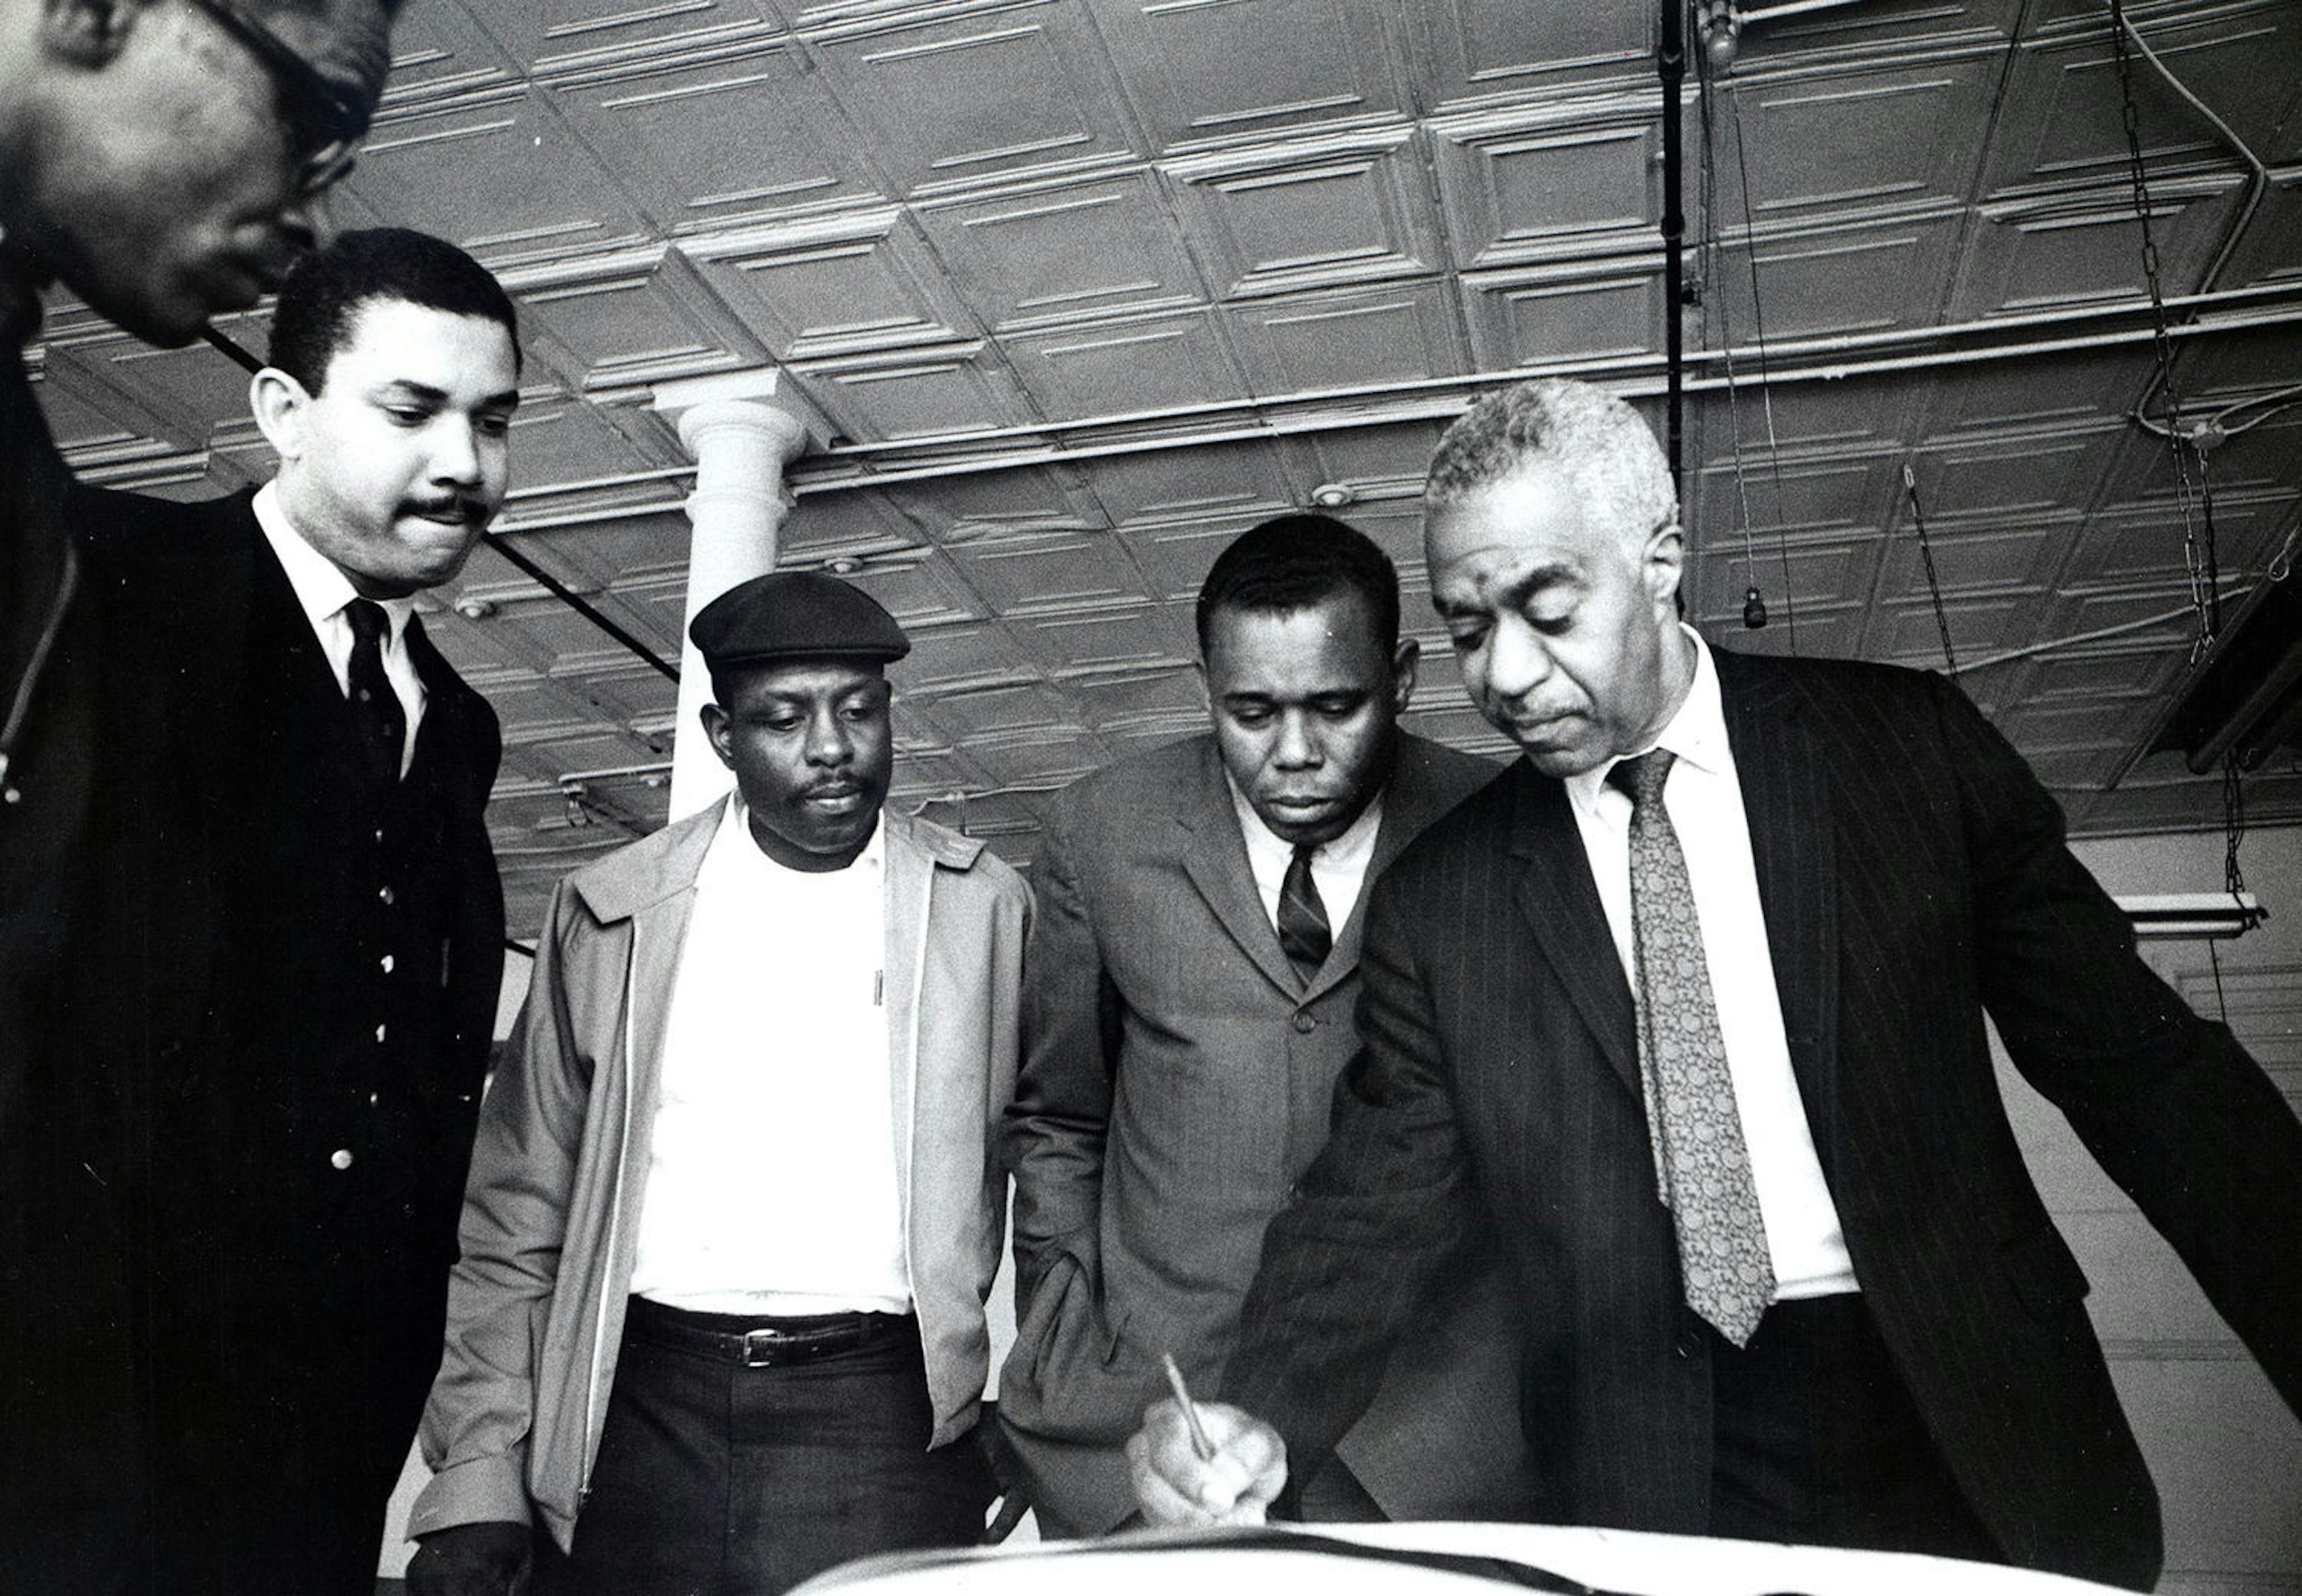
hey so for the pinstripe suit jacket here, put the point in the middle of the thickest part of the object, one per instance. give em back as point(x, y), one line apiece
point(1913, 876)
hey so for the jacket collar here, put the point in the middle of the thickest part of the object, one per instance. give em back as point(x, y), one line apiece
point(1214, 855)
point(1559, 898)
point(1785, 776)
point(664, 865)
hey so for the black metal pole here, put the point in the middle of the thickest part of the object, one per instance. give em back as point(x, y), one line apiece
point(1671, 59)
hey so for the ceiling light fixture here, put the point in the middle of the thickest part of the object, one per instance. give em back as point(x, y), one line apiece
point(2192, 914)
point(1333, 496)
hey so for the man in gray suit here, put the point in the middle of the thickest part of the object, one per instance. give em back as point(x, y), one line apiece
point(1189, 991)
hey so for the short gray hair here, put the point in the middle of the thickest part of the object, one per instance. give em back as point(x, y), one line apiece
point(1602, 444)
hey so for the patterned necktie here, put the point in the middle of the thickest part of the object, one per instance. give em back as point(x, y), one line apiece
point(376, 712)
point(1700, 1156)
point(1303, 931)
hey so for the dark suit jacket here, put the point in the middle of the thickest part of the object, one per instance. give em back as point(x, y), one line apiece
point(1913, 876)
point(291, 984)
point(1177, 1079)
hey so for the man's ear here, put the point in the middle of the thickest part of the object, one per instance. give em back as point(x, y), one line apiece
point(716, 726)
point(89, 33)
point(1663, 563)
point(280, 403)
point(1402, 672)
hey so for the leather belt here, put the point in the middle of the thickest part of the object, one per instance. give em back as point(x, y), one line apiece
point(756, 1343)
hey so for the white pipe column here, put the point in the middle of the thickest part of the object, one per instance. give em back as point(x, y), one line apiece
point(741, 448)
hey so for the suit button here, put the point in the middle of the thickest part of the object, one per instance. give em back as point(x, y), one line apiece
point(378, 1033)
point(383, 895)
point(387, 961)
point(341, 1158)
point(1304, 1023)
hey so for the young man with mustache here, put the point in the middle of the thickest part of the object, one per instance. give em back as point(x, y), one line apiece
point(296, 923)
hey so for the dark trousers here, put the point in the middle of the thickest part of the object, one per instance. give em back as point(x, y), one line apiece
point(1817, 1441)
point(715, 1478)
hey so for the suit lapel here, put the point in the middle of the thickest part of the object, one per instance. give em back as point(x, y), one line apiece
point(1215, 858)
point(444, 732)
point(1411, 800)
point(284, 650)
point(1786, 799)
point(1560, 901)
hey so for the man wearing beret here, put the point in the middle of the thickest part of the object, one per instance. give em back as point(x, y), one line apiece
point(734, 1209)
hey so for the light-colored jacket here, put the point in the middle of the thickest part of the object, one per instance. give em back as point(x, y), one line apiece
point(535, 1308)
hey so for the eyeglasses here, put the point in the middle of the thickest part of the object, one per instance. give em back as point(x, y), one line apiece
point(335, 122)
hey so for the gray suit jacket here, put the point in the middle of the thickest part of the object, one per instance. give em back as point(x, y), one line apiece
point(1177, 1081)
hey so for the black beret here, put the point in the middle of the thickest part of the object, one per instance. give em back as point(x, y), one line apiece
point(795, 615)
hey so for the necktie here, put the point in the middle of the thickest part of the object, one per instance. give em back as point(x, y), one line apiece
point(1303, 931)
point(376, 712)
point(1700, 1156)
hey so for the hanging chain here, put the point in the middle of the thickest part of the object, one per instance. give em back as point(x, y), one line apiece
point(2198, 544)
point(2198, 558)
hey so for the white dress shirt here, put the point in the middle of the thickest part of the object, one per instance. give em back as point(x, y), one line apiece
point(771, 1170)
point(322, 590)
point(1339, 866)
point(1704, 800)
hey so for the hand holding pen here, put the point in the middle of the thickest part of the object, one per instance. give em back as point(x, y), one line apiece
point(1203, 1463)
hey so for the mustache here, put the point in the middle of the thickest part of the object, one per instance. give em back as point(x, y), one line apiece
point(464, 506)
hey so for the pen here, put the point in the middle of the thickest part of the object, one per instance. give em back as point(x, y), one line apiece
point(1200, 1444)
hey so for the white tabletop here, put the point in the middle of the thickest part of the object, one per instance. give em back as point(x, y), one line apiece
point(1188, 1563)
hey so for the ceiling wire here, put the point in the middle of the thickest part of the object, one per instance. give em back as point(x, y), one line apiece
point(1759, 340)
point(1754, 606)
point(1927, 554)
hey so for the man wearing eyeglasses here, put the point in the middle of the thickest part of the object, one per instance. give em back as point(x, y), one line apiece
point(163, 160)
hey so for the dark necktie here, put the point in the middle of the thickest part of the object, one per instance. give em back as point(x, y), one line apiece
point(376, 713)
point(1304, 934)
point(1700, 1154)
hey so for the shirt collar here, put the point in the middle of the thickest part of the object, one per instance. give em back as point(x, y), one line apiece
point(1696, 733)
point(321, 586)
point(1355, 839)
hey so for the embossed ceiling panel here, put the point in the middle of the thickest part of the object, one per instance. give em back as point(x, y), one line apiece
point(946, 94)
point(1124, 366)
point(498, 172)
point(1045, 253)
point(1820, 139)
point(2245, 60)
point(783, 146)
point(1537, 183)
point(1201, 70)
point(1488, 48)
point(1346, 208)
point(1082, 288)
point(1539, 316)
point(1347, 338)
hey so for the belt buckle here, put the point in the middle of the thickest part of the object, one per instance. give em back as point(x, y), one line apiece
point(760, 1347)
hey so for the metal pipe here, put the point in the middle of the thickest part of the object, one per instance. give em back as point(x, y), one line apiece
point(1670, 59)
